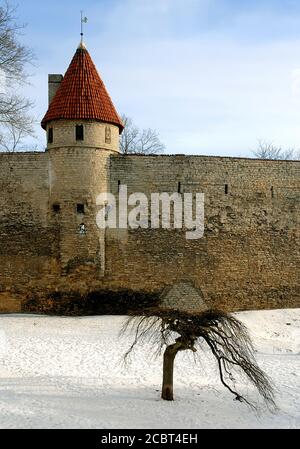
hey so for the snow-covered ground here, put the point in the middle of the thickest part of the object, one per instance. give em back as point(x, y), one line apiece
point(58, 372)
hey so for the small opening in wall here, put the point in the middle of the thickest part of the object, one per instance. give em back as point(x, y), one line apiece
point(79, 132)
point(107, 134)
point(119, 183)
point(226, 189)
point(50, 135)
point(82, 229)
point(80, 208)
point(272, 192)
point(179, 187)
point(56, 208)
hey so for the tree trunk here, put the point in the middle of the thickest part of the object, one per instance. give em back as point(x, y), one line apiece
point(168, 368)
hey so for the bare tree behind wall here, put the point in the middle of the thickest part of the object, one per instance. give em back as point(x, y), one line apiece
point(136, 141)
point(267, 150)
point(16, 121)
point(225, 336)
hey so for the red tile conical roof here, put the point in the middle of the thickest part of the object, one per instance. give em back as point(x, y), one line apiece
point(82, 94)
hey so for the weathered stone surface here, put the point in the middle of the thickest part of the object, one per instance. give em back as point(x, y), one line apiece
point(249, 256)
point(94, 134)
point(183, 296)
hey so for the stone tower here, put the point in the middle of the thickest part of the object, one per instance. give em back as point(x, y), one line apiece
point(81, 113)
point(83, 129)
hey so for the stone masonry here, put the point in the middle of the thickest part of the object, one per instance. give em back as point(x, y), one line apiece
point(249, 256)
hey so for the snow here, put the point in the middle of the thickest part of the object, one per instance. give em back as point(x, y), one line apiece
point(63, 372)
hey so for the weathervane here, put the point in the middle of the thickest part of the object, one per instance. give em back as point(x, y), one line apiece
point(83, 20)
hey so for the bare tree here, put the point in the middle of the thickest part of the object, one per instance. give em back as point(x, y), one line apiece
point(15, 118)
point(226, 337)
point(134, 140)
point(11, 137)
point(267, 150)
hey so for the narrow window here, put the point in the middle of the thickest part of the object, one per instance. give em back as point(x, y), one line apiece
point(56, 208)
point(119, 183)
point(50, 135)
point(272, 192)
point(226, 189)
point(79, 132)
point(107, 134)
point(80, 208)
point(179, 187)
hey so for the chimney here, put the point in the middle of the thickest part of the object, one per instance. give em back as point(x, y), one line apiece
point(54, 81)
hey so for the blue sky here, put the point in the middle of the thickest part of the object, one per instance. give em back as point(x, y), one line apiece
point(212, 76)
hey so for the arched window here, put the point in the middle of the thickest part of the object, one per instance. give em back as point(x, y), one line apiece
point(107, 134)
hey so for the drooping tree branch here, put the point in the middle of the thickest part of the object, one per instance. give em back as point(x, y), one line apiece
point(225, 335)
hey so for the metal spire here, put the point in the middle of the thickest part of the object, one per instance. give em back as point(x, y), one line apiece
point(83, 20)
